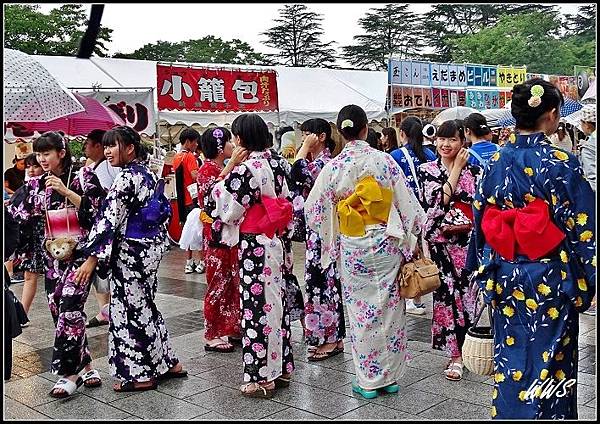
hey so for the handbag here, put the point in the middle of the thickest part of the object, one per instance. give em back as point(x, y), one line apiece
point(455, 222)
point(63, 231)
point(478, 347)
point(418, 277)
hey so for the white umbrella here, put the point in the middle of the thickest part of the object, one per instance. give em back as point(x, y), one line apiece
point(457, 112)
point(31, 93)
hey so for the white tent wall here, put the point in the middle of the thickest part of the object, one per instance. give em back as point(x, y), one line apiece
point(303, 92)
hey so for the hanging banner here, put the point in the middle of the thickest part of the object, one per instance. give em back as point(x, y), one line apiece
point(483, 99)
point(136, 108)
point(509, 76)
point(411, 97)
point(203, 89)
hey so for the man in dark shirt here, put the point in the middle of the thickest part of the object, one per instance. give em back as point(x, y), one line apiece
point(15, 177)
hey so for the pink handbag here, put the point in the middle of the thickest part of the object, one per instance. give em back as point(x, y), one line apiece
point(62, 230)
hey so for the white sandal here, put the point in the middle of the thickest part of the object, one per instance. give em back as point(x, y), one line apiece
point(454, 367)
point(90, 375)
point(67, 385)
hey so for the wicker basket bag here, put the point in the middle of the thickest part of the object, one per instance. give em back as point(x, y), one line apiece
point(478, 348)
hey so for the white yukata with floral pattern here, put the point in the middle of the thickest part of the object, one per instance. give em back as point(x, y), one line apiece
point(369, 264)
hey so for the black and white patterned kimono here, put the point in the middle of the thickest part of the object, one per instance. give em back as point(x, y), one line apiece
point(66, 298)
point(129, 250)
point(266, 344)
point(293, 294)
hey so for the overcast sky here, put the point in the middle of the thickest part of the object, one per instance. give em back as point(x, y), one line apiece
point(137, 24)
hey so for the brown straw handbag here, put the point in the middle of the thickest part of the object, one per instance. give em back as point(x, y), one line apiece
point(418, 277)
point(478, 348)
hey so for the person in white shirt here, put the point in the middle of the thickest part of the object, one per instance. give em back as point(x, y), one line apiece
point(562, 139)
point(106, 173)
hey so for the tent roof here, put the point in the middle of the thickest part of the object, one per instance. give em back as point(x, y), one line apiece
point(303, 92)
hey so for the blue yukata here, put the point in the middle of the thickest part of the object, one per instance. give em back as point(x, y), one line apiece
point(534, 205)
point(400, 158)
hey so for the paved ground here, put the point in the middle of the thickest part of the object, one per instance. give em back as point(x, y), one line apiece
point(319, 391)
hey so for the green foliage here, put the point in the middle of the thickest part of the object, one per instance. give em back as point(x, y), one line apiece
point(446, 21)
point(390, 30)
point(76, 148)
point(56, 34)
point(297, 36)
point(531, 39)
point(208, 49)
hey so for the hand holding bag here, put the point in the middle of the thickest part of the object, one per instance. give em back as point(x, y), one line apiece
point(456, 221)
point(418, 277)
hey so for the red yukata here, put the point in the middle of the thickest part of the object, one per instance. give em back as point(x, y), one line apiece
point(222, 313)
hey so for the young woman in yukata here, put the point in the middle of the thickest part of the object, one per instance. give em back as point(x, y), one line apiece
point(324, 330)
point(66, 297)
point(536, 252)
point(252, 210)
point(449, 182)
point(368, 221)
point(127, 242)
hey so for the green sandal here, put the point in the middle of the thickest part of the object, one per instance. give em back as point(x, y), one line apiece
point(367, 394)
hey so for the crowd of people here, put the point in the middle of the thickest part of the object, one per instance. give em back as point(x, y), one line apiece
point(513, 223)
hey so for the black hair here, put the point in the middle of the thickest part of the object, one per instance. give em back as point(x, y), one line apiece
point(527, 116)
point(96, 136)
point(357, 116)
point(413, 128)
point(211, 142)
point(126, 136)
point(31, 160)
point(450, 128)
point(373, 138)
point(252, 131)
point(477, 123)
point(319, 126)
point(188, 134)
point(281, 131)
point(392, 138)
point(428, 130)
point(54, 140)
point(271, 139)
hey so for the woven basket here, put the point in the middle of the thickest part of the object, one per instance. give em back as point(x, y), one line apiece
point(478, 350)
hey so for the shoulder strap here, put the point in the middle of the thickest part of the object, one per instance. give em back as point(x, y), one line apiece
point(477, 156)
point(413, 171)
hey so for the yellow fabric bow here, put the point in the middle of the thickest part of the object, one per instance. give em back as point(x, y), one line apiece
point(369, 204)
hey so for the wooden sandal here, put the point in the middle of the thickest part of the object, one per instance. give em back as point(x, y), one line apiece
point(256, 390)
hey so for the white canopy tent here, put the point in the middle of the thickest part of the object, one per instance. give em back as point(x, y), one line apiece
point(303, 92)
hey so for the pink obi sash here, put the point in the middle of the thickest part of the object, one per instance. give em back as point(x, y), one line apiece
point(269, 217)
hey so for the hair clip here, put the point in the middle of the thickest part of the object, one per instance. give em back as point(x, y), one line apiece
point(537, 91)
point(347, 123)
point(483, 126)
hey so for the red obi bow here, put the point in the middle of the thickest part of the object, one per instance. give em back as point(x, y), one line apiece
point(270, 216)
point(528, 231)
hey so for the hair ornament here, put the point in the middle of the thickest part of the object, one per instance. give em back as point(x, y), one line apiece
point(537, 91)
point(347, 123)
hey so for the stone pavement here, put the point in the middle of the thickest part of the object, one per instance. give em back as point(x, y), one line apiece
point(319, 390)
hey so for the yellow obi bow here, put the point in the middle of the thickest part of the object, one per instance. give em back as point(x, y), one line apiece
point(369, 204)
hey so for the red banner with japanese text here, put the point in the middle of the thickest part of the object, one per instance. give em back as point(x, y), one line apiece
point(216, 90)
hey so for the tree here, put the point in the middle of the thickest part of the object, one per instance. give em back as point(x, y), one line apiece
point(583, 24)
point(208, 49)
point(297, 37)
point(445, 21)
point(56, 34)
point(390, 30)
point(530, 39)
